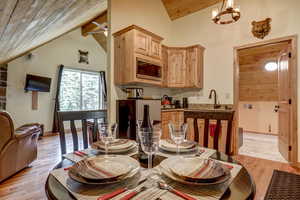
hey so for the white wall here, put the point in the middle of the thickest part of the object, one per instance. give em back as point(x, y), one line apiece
point(260, 118)
point(45, 63)
point(219, 40)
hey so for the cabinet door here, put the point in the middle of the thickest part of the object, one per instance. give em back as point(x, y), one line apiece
point(155, 48)
point(194, 70)
point(141, 43)
point(165, 65)
point(177, 68)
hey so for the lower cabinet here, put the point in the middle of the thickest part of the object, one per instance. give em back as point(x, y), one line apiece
point(170, 116)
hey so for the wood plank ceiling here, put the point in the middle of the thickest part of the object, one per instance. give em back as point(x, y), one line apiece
point(28, 24)
point(181, 8)
point(256, 83)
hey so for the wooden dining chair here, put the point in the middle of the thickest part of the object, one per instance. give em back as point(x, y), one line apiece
point(211, 129)
point(83, 116)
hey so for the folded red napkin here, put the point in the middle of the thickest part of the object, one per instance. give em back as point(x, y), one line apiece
point(67, 168)
point(80, 153)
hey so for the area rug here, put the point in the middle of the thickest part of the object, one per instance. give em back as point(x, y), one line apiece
point(283, 186)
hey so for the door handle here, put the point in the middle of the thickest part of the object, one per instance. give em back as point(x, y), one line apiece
point(276, 108)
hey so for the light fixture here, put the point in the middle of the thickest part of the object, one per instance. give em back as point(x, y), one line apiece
point(271, 66)
point(227, 14)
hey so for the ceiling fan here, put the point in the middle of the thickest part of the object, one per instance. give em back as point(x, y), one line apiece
point(102, 28)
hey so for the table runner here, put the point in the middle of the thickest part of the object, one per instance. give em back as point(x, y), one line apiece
point(91, 192)
point(205, 153)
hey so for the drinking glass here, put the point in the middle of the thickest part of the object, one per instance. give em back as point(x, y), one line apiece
point(149, 141)
point(107, 133)
point(178, 133)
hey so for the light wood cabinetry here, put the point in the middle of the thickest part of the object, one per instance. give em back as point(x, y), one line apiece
point(176, 68)
point(141, 59)
point(183, 66)
point(137, 57)
point(170, 116)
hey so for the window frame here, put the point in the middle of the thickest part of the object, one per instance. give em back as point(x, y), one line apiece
point(84, 71)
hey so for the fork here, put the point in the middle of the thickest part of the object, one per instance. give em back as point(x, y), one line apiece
point(164, 186)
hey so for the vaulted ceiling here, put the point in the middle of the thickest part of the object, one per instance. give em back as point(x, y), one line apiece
point(28, 24)
point(181, 8)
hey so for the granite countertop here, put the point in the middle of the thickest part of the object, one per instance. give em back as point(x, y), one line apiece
point(201, 108)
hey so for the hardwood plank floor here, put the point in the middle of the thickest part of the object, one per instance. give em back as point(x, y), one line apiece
point(29, 183)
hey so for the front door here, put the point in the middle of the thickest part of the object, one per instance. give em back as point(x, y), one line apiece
point(284, 111)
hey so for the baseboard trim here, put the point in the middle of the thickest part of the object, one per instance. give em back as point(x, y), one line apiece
point(260, 133)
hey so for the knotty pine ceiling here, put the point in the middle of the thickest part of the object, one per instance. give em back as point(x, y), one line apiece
point(181, 8)
point(28, 24)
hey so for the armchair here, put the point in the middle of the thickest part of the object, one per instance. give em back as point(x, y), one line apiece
point(18, 148)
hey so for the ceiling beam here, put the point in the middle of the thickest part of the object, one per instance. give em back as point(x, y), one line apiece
point(102, 40)
point(90, 27)
point(181, 8)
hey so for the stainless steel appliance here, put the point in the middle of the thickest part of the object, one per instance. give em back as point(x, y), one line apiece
point(150, 70)
point(134, 93)
point(129, 111)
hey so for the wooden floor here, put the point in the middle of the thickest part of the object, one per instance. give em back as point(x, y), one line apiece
point(29, 183)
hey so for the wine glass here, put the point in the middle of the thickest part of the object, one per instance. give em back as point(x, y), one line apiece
point(178, 133)
point(149, 141)
point(107, 134)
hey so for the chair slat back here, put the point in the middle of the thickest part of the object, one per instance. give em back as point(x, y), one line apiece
point(83, 116)
point(210, 129)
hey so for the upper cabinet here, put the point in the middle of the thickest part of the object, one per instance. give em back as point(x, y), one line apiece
point(183, 66)
point(177, 68)
point(140, 58)
point(137, 57)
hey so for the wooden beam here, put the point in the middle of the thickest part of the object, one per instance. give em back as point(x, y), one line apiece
point(178, 8)
point(90, 27)
point(102, 40)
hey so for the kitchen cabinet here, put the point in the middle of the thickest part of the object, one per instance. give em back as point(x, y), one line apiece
point(177, 68)
point(140, 58)
point(137, 57)
point(183, 66)
point(170, 116)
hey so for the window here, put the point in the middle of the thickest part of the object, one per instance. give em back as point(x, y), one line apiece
point(81, 90)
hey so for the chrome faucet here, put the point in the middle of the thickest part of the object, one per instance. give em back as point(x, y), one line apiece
point(215, 98)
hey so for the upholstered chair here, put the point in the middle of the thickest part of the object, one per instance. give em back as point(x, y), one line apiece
point(18, 148)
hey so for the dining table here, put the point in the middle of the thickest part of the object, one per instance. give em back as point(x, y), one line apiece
point(242, 187)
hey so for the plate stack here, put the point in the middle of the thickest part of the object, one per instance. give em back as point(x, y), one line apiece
point(104, 169)
point(185, 147)
point(117, 146)
point(195, 171)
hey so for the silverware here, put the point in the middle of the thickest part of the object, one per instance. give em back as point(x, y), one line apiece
point(134, 193)
point(164, 186)
point(121, 190)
